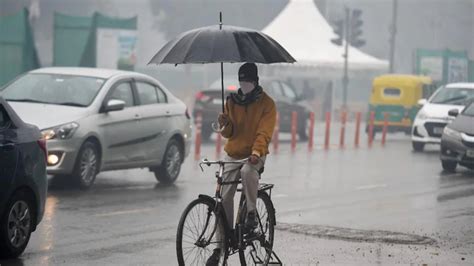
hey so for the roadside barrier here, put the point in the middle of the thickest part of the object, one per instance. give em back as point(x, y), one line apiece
point(218, 145)
point(343, 129)
point(311, 132)
point(197, 147)
point(328, 130)
point(294, 126)
point(371, 128)
point(385, 128)
point(357, 132)
point(276, 133)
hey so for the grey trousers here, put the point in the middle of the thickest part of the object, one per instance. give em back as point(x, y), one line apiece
point(250, 176)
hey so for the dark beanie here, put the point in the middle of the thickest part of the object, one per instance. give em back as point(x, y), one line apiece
point(248, 72)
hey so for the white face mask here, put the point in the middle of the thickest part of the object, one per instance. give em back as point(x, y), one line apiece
point(246, 86)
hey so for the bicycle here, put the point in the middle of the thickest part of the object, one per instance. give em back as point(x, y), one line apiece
point(205, 216)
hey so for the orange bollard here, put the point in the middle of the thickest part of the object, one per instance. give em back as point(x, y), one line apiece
point(328, 129)
point(371, 128)
point(197, 147)
point(343, 129)
point(357, 133)
point(276, 133)
point(311, 131)
point(294, 126)
point(385, 128)
point(218, 145)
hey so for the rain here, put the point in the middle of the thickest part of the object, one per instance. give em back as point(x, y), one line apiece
point(345, 128)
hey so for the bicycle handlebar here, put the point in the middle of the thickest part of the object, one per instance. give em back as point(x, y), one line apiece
point(221, 162)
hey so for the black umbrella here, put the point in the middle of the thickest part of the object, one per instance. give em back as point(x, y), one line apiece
point(222, 44)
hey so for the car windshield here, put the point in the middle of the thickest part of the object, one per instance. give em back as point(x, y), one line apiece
point(453, 95)
point(54, 89)
point(469, 110)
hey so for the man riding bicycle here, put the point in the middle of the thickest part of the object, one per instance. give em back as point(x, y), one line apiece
point(248, 123)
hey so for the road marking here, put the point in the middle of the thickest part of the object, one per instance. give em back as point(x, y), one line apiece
point(123, 212)
point(367, 187)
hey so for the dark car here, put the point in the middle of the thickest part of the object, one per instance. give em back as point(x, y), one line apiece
point(209, 104)
point(23, 181)
point(457, 141)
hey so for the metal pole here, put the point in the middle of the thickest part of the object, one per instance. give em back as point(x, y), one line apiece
point(222, 67)
point(393, 33)
point(345, 78)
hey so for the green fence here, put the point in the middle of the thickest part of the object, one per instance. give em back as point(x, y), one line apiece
point(17, 49)
point(76, 40)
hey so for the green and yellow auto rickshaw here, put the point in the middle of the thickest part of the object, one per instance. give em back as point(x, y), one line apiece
point(397, 97)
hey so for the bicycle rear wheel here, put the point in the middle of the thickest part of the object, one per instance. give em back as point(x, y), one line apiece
point(200, 231)
point(259, 248)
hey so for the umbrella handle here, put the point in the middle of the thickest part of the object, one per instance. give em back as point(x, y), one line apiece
point(216, 128)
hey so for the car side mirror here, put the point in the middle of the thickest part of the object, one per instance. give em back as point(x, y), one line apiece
point(114, 105)
point(422, 102)
point(453, 112)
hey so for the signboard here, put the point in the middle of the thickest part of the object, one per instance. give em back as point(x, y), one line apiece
point(116, 48)
point(458, 69)
point(432, 66)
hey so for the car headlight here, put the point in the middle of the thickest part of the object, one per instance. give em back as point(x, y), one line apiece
point(61, 132)
point(452, 133)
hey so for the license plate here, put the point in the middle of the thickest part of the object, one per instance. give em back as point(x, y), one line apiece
point(470, 153)
point(217, 101)
point(438, 130)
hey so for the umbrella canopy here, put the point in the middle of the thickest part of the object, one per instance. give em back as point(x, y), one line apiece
point(222, 44)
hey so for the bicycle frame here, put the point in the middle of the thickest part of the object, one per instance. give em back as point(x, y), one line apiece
point(233, 243)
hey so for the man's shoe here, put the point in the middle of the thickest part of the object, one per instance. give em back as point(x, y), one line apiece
point(214, 258)
point(251, 222)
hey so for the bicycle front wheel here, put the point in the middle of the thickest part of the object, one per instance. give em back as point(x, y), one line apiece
point(258, 249)
point(200, 231)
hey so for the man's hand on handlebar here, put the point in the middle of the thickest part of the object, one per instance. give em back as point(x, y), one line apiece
point(254, 159)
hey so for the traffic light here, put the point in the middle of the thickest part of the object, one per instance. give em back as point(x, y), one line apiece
point(339, 31)
point(355, 32)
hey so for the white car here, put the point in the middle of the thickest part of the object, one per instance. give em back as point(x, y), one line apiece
point(100, 119)
point(433, 116)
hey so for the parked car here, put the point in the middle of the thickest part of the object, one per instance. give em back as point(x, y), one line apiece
point(209, 104)
point(23, 181)
point(98, 119)
point(457, 141)
point(433, 116)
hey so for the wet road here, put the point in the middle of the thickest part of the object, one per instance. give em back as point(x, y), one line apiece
point(383, 205)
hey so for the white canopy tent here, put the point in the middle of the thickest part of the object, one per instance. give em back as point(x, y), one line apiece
point(306, 35)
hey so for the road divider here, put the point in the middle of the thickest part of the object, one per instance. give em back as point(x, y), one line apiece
point(197, 147)
point(328, 130)
point(385, 128)
point(294, 126)
point(311, 132)
point(310, 123)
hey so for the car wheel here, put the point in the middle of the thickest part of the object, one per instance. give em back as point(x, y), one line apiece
point(87, 165)
point(16, 224)
point(418, 146)
point(170, 167)
point(449, 166)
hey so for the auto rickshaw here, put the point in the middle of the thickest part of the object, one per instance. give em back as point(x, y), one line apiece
point(397, 97)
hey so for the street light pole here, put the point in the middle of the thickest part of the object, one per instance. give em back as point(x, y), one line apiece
point(393, 33)
point(345, 78)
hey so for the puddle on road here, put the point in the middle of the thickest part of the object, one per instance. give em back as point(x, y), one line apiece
point(356, 235)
